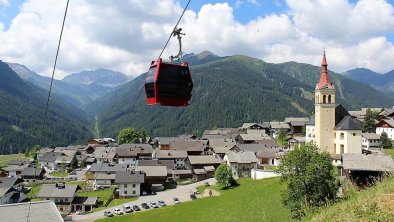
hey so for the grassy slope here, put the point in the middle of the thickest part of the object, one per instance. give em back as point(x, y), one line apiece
point(5, 158)
point(251, 201)
point(373, 204)
point(390, 152)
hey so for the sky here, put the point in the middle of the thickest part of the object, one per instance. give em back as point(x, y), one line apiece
point(125, 35)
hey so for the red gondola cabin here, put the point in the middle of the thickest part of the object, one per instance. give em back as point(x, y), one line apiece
point(168, 84)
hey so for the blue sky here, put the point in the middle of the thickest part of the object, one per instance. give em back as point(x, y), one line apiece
point(355, 33)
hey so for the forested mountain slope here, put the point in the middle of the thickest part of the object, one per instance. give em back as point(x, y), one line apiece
point(227, 92)
point(21, 116)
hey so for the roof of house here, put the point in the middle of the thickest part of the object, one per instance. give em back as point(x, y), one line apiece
point(40, 211)
point(247, 125)
point(57, 190)
point(221, 131)
point(171, 154)
point(86, 201)
point(221, 150)
point(49, 157)
point(300, 139)
point(348, 123)
point(134, 152)
point(390, 122)
point(19, 162)
point(153, 171)
point(279, 125)
point(167, 140)
point(45, 150)
point(102, 152)
point(371, 162)
point(241, 157)
point(69, 150)
point(257, 147)
point(253, 137)
point(204, 160)
point(189, 145)
point(296, 119)
point(270, 143)
point(181, 171)
point(135, 146)
point(31, 171)
point(105, 176)
point(16, 167)
point(130, 177)
point(267, 153)
point(199, 171)
point(169, 164)
point(64, 159)
point(371, 136)
point(6, 183)
point(108, 167)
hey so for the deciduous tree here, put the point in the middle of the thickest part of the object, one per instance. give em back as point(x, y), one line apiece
point(310, 178)
point(224, 176)
point(385, 140)
point(128, 135)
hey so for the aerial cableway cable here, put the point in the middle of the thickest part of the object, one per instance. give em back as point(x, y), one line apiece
point(47, 103)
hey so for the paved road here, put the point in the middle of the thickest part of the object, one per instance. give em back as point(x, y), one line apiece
point(182, 192)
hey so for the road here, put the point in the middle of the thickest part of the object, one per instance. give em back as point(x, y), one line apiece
point(182, 192)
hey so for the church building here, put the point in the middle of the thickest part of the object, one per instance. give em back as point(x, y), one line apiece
point(332, 128)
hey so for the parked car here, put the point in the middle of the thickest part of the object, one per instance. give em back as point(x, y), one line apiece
point(176, 200)
point(145, 206)
point(162, 203)
point(136, 208)
point(153, 192)
point(144, 193)
point(206, 184)
point(192, 196)
point(72, 173)
point(127, 208)
point(118, 211)
point(108, 214)
point(153, 204)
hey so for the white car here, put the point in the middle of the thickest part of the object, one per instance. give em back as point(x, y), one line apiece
point(153, 204)
point(127, 208)
point(118, 211)
point(176, 200)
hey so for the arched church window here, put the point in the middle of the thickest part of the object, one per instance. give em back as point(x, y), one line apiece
point(329, 98)
point(324, 98)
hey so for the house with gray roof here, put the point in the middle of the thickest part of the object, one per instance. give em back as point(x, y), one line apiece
point(366, 169)
point(65, 197)
point(221, 146)
point(130, 153)
point(11, 190)
point(370, 140)
point(199, 162)
point(16, 170)
point(155, 177)
point(48, 160)
point(387, 126)
point(296, 124)
point(108, 167)
point(177, 156)
point(104, 179)
point(40, 211)
point(193, 147)
point(348, 136)
point(244, 138)
point(104, 154)
point(241, 163)
point(32, 173)
point(129, 183)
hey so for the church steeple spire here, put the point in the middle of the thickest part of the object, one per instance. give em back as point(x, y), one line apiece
point(324, 78)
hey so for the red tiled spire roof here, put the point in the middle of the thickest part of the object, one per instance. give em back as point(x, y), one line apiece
point(324, 78)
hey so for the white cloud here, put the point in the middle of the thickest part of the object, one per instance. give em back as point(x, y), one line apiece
point(127, 35)
point(4, 3)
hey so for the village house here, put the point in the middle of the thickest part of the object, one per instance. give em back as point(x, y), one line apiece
point(277, 126)
point(104, 179)
point(220, 133)
point(366, 169)
point(42, 211)
point(267, 157)
point(155, 177)
point(11, 190)
point(199, 162)
point(129, 183)
point(65, 198)
point(192, 147)
point(181, 174)
point(371, 140)
point(42, 151)
point(48, 160)
point(387, 126)
point(169, 164)
point(296, 124)
point(164, 142)
point(221, 146)
point(32, 174)
point(108, 167)
point(360, 114)
point(241, 163)
point(250, 138)
point(130, 153)
point(295, 141)
point(177, 156)
point(15, 167)
point(387, 113)
point(105, 154)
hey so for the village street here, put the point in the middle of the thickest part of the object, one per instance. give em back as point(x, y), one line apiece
point(182, 192)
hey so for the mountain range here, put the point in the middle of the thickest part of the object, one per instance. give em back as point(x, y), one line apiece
point(227, 92)
point(381, 82)
point(78, 89)
point(22, 113)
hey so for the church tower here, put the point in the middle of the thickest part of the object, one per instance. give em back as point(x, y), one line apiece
point(325, 110)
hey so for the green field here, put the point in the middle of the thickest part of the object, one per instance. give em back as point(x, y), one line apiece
point(5, 158)
point(373, 204)
point(390, 151)
point(251, 201)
